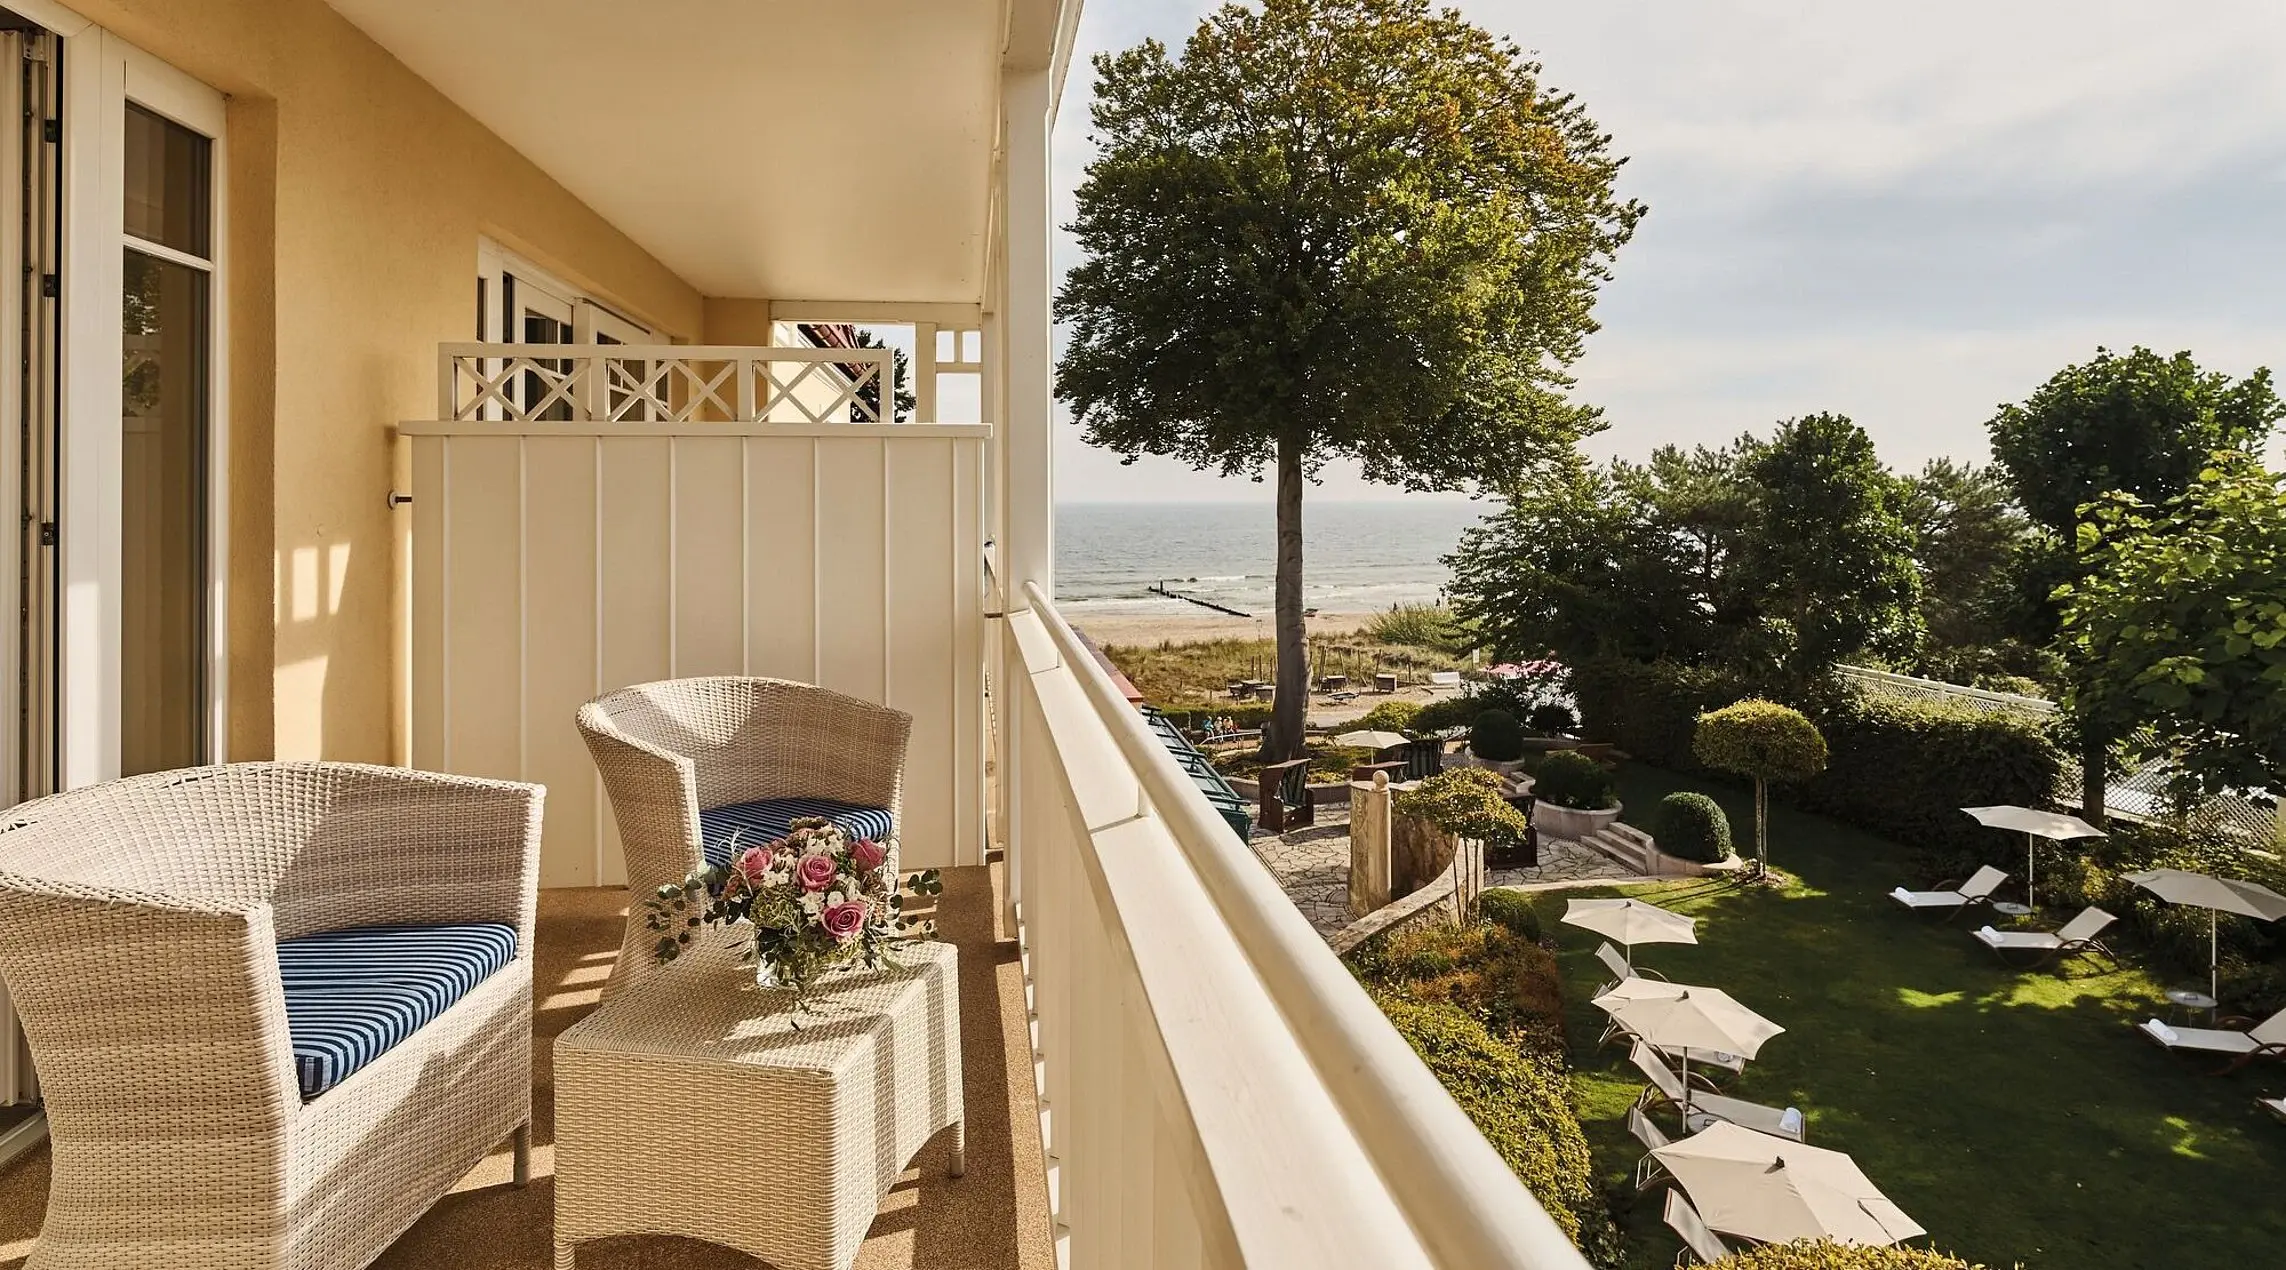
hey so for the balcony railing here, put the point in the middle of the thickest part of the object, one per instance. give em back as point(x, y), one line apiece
point(1215, 1088)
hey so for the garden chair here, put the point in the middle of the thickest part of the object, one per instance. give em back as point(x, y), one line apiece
point(2239, 1045)
point(1423, 759)
point(1700, 1244)
point(2040, 947)
point(1284, 794)
point(1951, 899)
point(699, 768)
point(279, 1009)
point(1668, 1088)
point(1649, 1172)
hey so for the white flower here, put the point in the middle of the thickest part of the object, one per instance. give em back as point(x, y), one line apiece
point(817, 846)
point(813, 904)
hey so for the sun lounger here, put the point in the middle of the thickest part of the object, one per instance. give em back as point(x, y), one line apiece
point(1698, 1237)
point(1613, 1030)
point(2275, 1106)
point(2076, 939)
point(2238, 1046)
point(1950, 900)
point(1617, 964)
point(1696, 1106)
point(1648, 1171)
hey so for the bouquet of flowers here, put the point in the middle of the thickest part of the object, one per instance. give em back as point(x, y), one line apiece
point(815, 900)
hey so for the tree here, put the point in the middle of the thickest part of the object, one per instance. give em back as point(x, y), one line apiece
point(1766, 742)
point(1969, 536)
point(1356, 228)
point(1830, 557)
point(902, 401)
point(2180, 625)
point(2138, 424)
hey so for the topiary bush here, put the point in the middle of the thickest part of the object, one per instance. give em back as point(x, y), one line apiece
point(1692, 826)
point(1467, 802)
point(1765, 742)
point(1497, 737)
point(1808, 1254)
point(1523, 1108)
point(1512, 911)
point(1446, 713)
point(1571, 779)
point(1389, 716)
point(1550, 719)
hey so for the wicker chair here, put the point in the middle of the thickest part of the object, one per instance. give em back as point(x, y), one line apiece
point(142, 928)
point(680, 758)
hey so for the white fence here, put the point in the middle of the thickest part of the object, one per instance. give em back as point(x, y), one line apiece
point(2140, 794)
point(1215, 1089)
point(556, 557)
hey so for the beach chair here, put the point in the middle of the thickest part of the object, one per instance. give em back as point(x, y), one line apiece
point(1698, 1107)
point(1952, 899)
point(2035, 948)
point(1701, 1246)
point(2238, 1045)
point(1285, 795)
point(1648, 1171)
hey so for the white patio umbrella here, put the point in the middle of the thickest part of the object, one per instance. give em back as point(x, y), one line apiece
point(2216, 895)
point(1370, 740)
point(1770, 1189)
point(2034, 824)
point(1694, 1018)
point(1631, 922)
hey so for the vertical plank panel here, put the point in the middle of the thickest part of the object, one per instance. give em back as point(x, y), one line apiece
point(559, 665)
point(922, 628)
point(483, 583)
point(429, 544)
point(635, 579)
point(710, 574)
point(850, 546)
point(781, 557)
point(968, 652)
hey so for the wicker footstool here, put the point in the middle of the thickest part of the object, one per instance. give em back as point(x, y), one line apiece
point(688, 1104)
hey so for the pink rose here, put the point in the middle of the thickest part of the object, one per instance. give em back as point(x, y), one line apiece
point(752, 864)
point(868, 853)
point(843, 921)
point(816, 872)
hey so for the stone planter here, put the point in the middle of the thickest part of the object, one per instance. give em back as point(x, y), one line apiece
point(1564, 822)
point(1466, 758)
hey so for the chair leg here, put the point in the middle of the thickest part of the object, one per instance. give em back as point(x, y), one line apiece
point(960, 1146)
point(523, 1169)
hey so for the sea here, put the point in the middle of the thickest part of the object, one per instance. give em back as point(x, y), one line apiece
point(1356, 556)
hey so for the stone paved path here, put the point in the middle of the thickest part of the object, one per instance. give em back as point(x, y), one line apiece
point(1312, 867)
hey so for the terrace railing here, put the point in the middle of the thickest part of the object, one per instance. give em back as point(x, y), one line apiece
point(664, 383)
point(1215, 1088)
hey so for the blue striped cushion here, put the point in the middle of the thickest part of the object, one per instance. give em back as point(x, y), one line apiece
point(351, 994)
point(773, 818)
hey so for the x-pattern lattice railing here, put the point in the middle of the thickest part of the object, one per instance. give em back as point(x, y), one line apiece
point(663, 383)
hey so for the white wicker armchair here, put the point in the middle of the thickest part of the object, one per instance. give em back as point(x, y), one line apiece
point(140, 924)
point(675, 755)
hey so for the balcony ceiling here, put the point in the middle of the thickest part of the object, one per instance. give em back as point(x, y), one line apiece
point(785, 149)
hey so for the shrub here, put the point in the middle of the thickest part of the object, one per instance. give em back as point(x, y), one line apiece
point(1466, 801)
point(1521, 1107)
point(1503, 980)
point(1806, 1254)
point(1429, 626)
point(1692, 826)
point(1446, 713)
point(1571, 779)
point(1511, 910)
point(1389, 716)
point(1497, 737)
point(1550, 719)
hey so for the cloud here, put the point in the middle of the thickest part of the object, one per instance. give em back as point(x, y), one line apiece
point(1906, 214)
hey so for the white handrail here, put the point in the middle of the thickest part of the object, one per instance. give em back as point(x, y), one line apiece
point(1467, 1208)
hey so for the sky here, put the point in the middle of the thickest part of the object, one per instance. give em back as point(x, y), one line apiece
point(1907, 214)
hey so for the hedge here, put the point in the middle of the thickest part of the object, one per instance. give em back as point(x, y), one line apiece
point(1808, 1254)
point(1389, 716)
point(1522, 1108)
point(1901, 768)
point(1692, 826)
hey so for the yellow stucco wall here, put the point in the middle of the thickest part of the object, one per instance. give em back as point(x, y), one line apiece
point(356, 195)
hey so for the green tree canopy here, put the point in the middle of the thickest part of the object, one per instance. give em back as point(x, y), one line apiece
point(2180, 625)
point(1969, 537)
point(1765, 742)
point(1355, 228)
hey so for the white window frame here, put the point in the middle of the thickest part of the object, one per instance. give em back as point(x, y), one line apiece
point(101, 74)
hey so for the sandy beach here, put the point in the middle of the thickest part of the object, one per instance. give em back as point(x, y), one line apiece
point(1183, 628)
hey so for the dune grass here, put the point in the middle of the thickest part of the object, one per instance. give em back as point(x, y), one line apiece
point(1175, 676)
point(2015, 1114)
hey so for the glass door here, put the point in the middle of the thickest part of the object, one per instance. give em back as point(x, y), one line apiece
point(167, 327)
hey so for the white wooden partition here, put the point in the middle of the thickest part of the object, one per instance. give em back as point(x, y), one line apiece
point(554, 559)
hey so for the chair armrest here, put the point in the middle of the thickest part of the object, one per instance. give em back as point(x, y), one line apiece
point(395, 846)
point(654, 799)
point(1645, 972)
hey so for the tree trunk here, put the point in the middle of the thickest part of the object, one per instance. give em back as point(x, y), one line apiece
point(1292, 703)
point(1761, 826)
point(2095, 778)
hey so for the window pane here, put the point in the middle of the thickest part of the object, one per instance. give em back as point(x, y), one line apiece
point(167, 200)
point(163, 518)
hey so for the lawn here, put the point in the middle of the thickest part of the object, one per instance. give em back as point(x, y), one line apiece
point(2013, 1113)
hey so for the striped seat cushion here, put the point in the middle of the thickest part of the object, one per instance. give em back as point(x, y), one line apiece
point(351, 994)
point(753, 824)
